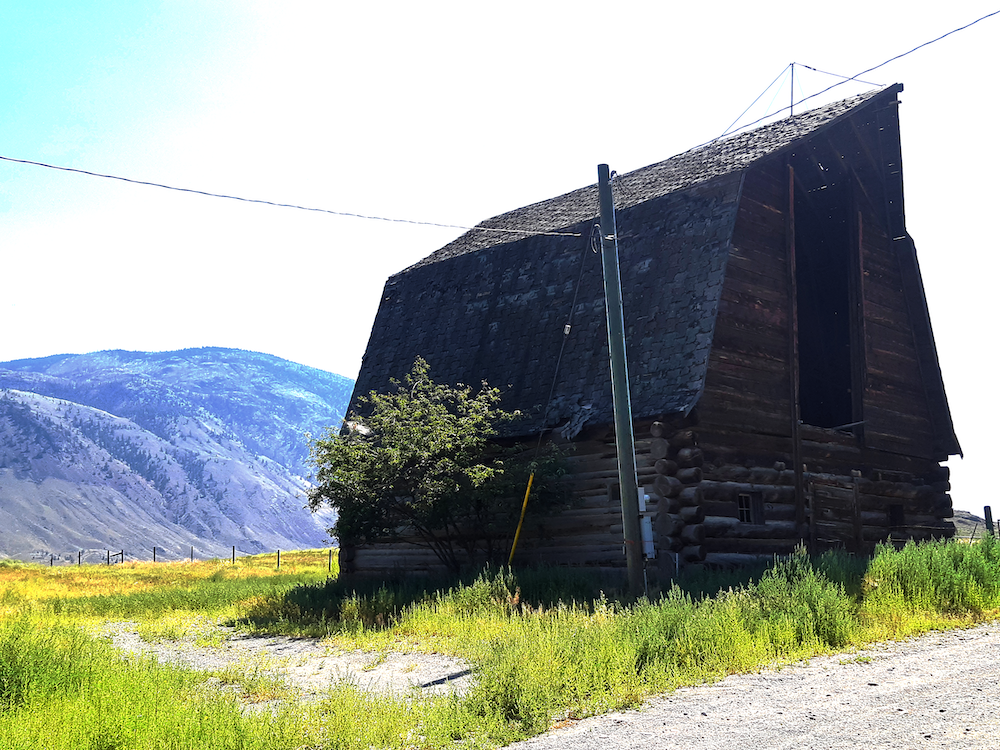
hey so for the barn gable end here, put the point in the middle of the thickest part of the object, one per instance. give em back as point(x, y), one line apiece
point(785, 385)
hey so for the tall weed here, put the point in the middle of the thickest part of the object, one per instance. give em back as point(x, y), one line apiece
point(948, 578)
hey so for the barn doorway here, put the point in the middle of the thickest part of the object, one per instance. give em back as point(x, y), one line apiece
point(825, 258)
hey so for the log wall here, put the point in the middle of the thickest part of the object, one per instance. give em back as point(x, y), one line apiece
point(589, 531)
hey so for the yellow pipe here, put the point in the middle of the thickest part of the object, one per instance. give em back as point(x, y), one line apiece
point(524, 507)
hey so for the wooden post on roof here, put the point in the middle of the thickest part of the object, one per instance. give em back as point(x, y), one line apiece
point(624, 439)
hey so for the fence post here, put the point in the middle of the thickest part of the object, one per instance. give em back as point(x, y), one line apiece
point(154, 554)
point(109, 556)
point(79, 558)
point(989, 520)
point(51, 559)
point(123, 556)
point(329, 563)
point(192, 554)
point(279, 559)
point(234, 554)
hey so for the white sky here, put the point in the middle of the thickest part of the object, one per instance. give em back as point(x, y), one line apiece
point(447, 112)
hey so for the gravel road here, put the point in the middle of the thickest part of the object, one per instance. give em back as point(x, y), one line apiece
point(939, 690)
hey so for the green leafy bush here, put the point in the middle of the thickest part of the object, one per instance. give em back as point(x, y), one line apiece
point(421, 464)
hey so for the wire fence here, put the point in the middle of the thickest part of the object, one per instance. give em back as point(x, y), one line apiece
point(159, 555)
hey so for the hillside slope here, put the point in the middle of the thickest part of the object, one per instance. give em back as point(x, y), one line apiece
point(130, 450)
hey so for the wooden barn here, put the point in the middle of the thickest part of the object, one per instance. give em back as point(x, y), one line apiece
point(785, 385)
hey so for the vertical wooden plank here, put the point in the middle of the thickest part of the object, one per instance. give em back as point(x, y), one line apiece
point(859, 366)
point(793, 351)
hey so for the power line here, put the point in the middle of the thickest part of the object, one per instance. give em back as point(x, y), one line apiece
point(497, 229)
point(287, 205)
point(855, 77)
point(836, 75)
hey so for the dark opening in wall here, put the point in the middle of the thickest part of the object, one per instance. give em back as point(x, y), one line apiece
point(750, 506)
point(823, 258)
point(896, 517)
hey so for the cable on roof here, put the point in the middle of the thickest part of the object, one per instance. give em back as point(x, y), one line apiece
point(855, 77)
point(752, 103)
point(777, 91)
point(287, 205)
point(616, 182)
point(837, 75)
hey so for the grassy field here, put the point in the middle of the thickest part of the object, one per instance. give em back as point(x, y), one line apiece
point(545, 646)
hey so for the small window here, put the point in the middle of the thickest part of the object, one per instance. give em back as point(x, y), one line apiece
point(750, 506)
point(896, 519)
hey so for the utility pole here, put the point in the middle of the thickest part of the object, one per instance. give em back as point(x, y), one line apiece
point(624, 440)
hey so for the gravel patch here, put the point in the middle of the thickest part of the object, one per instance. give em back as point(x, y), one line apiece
point(306, 664)
point(939, 690)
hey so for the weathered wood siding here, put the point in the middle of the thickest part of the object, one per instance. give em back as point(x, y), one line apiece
point(747, 389)
point(746, 412)
point(895, 403)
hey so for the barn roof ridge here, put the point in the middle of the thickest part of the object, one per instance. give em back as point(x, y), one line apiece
point(717, 158)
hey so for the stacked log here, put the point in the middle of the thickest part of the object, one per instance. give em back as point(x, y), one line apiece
point(855, 510)
point(679, 523)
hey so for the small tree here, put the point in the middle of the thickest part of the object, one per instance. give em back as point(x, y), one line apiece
point(421, 465)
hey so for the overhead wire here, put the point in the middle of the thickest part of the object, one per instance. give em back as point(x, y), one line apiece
point(847, 79)
point(836, 75)
point(287, 205)
point(503, 230)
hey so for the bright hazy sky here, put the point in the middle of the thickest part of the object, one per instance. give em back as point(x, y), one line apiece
point(446, 112)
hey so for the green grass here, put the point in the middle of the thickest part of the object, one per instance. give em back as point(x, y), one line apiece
point(62, 689)
point(545, 646)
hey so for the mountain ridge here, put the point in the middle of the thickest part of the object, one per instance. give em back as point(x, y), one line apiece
point(205, 447)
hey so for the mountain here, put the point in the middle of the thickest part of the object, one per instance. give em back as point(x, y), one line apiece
point(969, 525)
point(129, 450)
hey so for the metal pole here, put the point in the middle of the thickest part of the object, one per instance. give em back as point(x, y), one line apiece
point(627, 474)
point(234, 554)
point(154, 554)
point(791, 99)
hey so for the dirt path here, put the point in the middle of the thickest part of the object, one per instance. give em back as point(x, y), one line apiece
point(306, 664)
point(940, 690)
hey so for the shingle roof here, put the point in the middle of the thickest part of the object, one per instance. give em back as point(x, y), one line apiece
point(715, 159)
point(489, 307)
